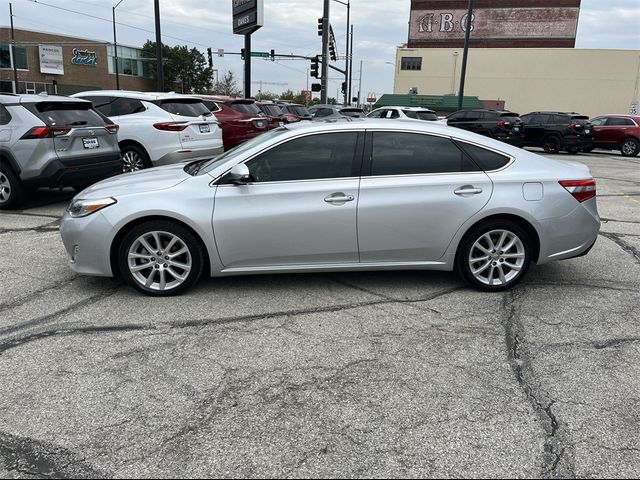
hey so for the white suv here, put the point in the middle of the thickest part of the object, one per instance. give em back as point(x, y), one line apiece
point(158, 128)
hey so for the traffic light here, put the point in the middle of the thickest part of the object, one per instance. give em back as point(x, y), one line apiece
point(273, 55)
point(316, 87)
point(344, 88)
point(242, 53)
point(210, 55)
point(332, 51)
point(320, 26)
point(314, 67)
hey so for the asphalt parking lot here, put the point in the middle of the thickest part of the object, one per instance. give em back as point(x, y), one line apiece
point(382, 374)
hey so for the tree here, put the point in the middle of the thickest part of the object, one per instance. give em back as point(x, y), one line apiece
point(186, 68)
point(227, 87)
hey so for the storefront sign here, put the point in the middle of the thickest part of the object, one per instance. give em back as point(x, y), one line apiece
point(494, 23)
point(51, 59)
point(247, 16)
point(84, 57)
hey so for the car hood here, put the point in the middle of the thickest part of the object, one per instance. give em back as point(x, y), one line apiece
point(148, 180)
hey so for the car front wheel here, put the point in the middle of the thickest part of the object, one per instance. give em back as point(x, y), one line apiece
point(494, 256)
point(160, 258)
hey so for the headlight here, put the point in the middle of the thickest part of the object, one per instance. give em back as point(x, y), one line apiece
point(82, 208)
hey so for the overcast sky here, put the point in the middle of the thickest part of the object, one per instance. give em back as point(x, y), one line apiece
point(290, 27)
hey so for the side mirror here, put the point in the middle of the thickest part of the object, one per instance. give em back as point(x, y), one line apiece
point(240, 174)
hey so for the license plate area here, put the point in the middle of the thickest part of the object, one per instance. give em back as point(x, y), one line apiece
point(205, 128)
point(90, 142)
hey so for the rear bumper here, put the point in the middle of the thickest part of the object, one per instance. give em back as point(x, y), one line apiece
point(79, 171)
point(515, 140)
point(576, 141)
point(188, 154)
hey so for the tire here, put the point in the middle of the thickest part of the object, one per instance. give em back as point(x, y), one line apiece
point(180, 268)
point(551, 144)
point(12, 192)
point(134, 158)
point(630, 147)
point(480, 273)
point(587, 149)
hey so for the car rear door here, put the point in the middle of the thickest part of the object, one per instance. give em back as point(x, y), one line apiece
point(202, 129)
point(298, 209)
point(616, 129)
point(416, 191)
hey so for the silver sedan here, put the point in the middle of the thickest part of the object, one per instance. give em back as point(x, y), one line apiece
point(362, 195)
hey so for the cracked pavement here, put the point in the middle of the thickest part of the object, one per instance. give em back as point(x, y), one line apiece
point(384, 374)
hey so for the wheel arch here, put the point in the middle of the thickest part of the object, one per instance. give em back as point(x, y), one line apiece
point(520, 221)
point(119, 237)
point(6, 155)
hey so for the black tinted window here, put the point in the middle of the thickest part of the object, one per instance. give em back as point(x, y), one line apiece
point(328, 155)
point(486, 159)
point(298, 110)
point(5, 116)
point(185, 108)
point(411, 63)
point(560, 119)
point(272, 110)
point(395, 114)
point(126, 106)
point(377, 114)
point(248, 108)
point(212, 106)
point(619, 122)
point(397, 153)
point(457, 116)
point(101, 104)
point(427, 116)
point(68, 114)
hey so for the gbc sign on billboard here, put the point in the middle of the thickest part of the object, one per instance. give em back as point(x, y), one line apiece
point(523, 23)
point(248, 16)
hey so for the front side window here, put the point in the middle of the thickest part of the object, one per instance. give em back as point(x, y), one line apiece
point(411, 63)
point(377, 114)
point(327, 155)
point(400, 153)
point(598, 122)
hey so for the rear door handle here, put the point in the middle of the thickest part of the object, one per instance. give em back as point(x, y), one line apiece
point(339, 197)
point(467, 190)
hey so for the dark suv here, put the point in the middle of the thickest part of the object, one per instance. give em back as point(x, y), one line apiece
point(499, 124)
point(555, 131)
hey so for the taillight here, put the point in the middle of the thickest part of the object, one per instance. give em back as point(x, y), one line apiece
point(45, 132)
point(581, 190)
point(112, 128)
point(171, 126)
point(574, 127)
point(504, 124)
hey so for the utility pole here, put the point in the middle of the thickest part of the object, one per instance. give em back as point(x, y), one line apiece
point(350, 85)
point(247, 65)
point(360, 84)
point(159, 72)
point(347, 100)
point(463, 73)
point(13, 52)
point(115, 46)
point(325, 57)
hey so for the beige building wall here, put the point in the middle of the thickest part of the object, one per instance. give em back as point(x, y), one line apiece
point(591, 82)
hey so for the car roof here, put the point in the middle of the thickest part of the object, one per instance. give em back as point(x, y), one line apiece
point(148, 96)
point(36, 98)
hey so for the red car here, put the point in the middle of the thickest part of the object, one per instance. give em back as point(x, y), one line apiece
point(275, 114)
point(617, 132)
point(240, 119)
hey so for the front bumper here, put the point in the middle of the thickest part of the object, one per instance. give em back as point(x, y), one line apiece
point(189, 154)
point(87, 241)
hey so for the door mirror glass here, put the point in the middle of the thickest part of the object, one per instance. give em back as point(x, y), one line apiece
point(239, 174)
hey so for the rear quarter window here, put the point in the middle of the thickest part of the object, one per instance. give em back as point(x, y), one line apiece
point(487, 160)
point(5, 116)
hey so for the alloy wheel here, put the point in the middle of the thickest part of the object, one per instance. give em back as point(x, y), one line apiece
point(159, 260)
point(132, 161)
point(497, 257)
point(5, 188)
point(629, 147)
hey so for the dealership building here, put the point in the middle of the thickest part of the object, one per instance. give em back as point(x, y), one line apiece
point(66, 65)
point(522, 53)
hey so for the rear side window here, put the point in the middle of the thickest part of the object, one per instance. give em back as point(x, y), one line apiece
point(486, 159)
point(247, 108)
point(126, 106)
point(399, 153)
point(560, 118)
point(68, 114)
point(5, 116)
point(620, 122)
point(185, 108)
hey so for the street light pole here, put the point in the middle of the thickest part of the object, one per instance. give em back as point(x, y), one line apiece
point(463, 72)
point(347, 101)
point(115, 45)
point(159, 72)
point(324, 79)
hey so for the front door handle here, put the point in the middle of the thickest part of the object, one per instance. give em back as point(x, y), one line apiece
point(467, 190)
point(339, 197)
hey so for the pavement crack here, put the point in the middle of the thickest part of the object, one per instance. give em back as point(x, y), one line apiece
point(627, 247)
point(614, 342)
point(21, 301)
point(556, 461)
point(47, 227)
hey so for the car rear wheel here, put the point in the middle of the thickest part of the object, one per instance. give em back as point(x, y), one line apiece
point(134, 158)
point(160, 258)
point(494, 256)
point(12, 192)
point(551, 144)
point(630, 147)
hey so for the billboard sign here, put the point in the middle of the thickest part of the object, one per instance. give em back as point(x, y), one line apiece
point(84, 57)
point(51, 59)
point(248, 16)
point(492, 26)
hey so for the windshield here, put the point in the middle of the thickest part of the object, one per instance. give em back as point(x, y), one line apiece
point(240, 149)
point(249, 108)
point(69, 114)
point(272, 110)
point(185, 107)
point(299, 111)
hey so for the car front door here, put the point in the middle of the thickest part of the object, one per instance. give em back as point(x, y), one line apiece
point(299, 207)
point(415, 193)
